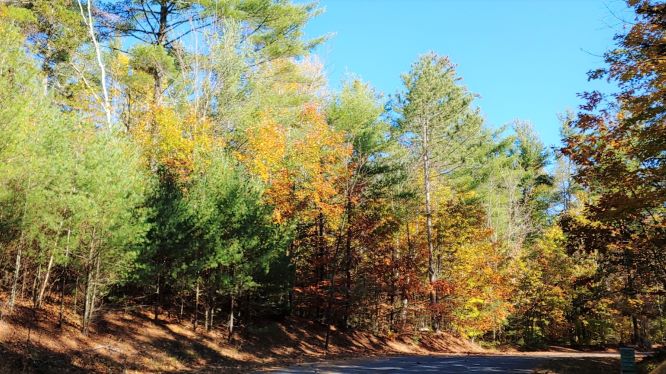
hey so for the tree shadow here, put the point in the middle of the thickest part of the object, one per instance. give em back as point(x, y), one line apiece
point(591, 365)
point(116, 343)
point(29, 358)
point(297, 338)
point(186, 349)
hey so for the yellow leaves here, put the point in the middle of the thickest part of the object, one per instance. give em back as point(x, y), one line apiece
point(469, 195)
point(472, 306)
point(635, 303)
point(441, 193)
point(552, 239)
point(180, 143)
point(16, 14)
point(620, 116)
point(322, 152)
point(123, 59)
point(172, 142)
point(295, 78)
point(301, 166)
point(265, 156)
point(268, 142)
point(481, 285)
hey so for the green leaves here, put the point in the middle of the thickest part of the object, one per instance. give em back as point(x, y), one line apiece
point(617, 144)
point(152, 59)
point(238, 174)
point(65, 186)
point(437, 108)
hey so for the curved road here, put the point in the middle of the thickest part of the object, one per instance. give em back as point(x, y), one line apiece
point(506, 363)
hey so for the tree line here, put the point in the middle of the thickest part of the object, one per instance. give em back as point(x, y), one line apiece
point(189, 157)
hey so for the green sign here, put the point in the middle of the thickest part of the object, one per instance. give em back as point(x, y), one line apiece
point(628, 360)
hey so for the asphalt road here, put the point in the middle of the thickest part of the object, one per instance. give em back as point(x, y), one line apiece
point(518, 363)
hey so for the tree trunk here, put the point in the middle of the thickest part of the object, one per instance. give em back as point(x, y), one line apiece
point(394, 276)
point(17, 272)
point(62, 301)
point(206, 318)
point(40, 295)
point(106, 104)
point(348, 264)
point(161, 40)
point(196, 306)
point(76, 293)
point(405, 296)
point(428, 214)
point(331, 291)
point(231, 317)
point(90, 286)
point(320, 259)
point(403, 311)
point(212, 316)
point(62, 285)
point(24, 280)
point(86, 304)
point(93, 295)
point(636, 335)
point(35, 281)
point(156, 304)
point(162, 28)
point(182, 305)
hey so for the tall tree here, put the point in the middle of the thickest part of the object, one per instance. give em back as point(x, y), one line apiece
point(439, 124)
point(618, 143)
point(55, 32)
point(272, 29)
point(370, 178)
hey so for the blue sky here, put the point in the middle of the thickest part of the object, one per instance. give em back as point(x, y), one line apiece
point(526, 59)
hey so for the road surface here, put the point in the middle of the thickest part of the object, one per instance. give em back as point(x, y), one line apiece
point(505, 363)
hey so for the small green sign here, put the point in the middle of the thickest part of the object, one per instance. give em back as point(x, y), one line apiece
point(628, 360)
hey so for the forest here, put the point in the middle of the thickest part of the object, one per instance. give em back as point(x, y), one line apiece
point(190, 159)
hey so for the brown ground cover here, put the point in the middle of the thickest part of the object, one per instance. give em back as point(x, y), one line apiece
point(123, 340)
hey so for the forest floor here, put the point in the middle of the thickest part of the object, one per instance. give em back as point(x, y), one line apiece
point(130, 341)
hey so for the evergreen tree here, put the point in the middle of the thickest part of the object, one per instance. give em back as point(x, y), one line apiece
point(439, 125)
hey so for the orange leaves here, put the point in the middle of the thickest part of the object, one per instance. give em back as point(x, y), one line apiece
point(617, 145)
point(443, 287)
point(266, 157)
point(321, 151)
point(301, 165)
point(475, 283)
point(268, 143)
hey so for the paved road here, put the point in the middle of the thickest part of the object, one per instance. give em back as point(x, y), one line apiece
point(519, 363)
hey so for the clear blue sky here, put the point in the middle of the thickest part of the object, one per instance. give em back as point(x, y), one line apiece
point(526, 59)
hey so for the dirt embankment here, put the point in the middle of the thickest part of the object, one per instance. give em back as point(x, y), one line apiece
point(31, 341)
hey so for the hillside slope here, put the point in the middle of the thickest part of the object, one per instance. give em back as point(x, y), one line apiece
point(31, 341)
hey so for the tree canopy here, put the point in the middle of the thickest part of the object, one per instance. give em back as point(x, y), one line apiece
point(190, 155)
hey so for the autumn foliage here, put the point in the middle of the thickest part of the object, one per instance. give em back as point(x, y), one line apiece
point(198, 165)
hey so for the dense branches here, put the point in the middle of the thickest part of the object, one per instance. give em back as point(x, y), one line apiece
point(192, 160)
point(618, 144)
